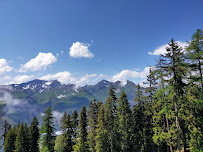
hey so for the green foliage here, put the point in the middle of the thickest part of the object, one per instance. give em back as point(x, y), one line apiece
point(59, 146)
point(81, 139)
point(48, 131)
point(34, 136)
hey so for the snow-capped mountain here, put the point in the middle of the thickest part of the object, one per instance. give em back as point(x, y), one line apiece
point(32, 98)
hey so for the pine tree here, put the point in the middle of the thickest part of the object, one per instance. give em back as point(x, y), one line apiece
point(148, 102)
point(110, 116)
point(7, 126)
point(138, 120)
point(34, 135)
point(81, 139)
point(125, 122)
point(74, 120)
point(20, 140)
point(101, 134)
point(67, 132)
point(48, 131)
point(92, 113)
point(176, 70)
point(195, 57)
point(9, 142)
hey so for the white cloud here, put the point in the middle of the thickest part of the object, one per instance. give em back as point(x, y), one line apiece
point(85, 79)
point(79, 50)
point(66, 77)
point(63, 77)
point(12, 103)
point(20, 79)
point(40, 62)
point(57, 116)
point(162, 49)
point(124, 75)
point(62, 52)
point(4, 67)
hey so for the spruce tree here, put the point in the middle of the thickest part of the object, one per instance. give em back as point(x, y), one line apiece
point(101, 134)
point(176, 71)
point(20, 140)
point(34, 135)
point(48, 131)
point(74, 120)
point(81, 139)
point(9, 142)
point(138, 120)
point(92, 114)
point(194, 55)
point(125, 122)
point(110, 118)
point(67, 132)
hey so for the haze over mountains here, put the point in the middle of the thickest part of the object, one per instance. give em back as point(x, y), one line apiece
point(23, 101)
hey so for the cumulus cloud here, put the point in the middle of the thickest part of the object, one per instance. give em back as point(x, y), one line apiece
point(40, 62)
point(85, 79)
point(20, 79)
point(124, 75)
point(4, 67)
point(162, 49)
point(66, 77)
point(63, 77)
point(79, 50)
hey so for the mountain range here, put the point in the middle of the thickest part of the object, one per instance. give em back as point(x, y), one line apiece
point(23, 101)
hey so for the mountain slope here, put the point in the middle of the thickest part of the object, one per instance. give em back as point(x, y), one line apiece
point(31, 99)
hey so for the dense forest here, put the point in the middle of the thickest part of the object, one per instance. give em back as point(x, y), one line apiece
point(167, 117)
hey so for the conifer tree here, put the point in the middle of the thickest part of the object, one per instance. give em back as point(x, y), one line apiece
point(20, 140)
point(74, 120)
point(176, 70)
point(81, 139)
point(34, 135)
point(138, 120)
point(195, 57)
point(101, 134)
point(110, 116)
point(7, 126)
point(9, 142)
point(67, 132)
point(48, 131)
point(92, 114)
point(125, 122)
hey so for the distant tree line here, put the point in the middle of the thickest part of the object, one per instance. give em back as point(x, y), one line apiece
point(168, 118)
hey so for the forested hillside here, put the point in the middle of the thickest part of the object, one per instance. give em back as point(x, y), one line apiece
point(166, 117)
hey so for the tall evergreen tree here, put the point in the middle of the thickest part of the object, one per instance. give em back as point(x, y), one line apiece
point(48, 131)
point(20, 142)
point(74, 120)
point(101, 134)
point(67, 132)
point(81, 139)
point(92, 114)
point(110, 116)
point(7, 126)
point(34, 135)
point(125, 122)
point(138, 120)
point(195, 57)
point(9, 142)
point(176, 70)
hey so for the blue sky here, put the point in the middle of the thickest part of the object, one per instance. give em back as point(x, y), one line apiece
point(84, 41)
